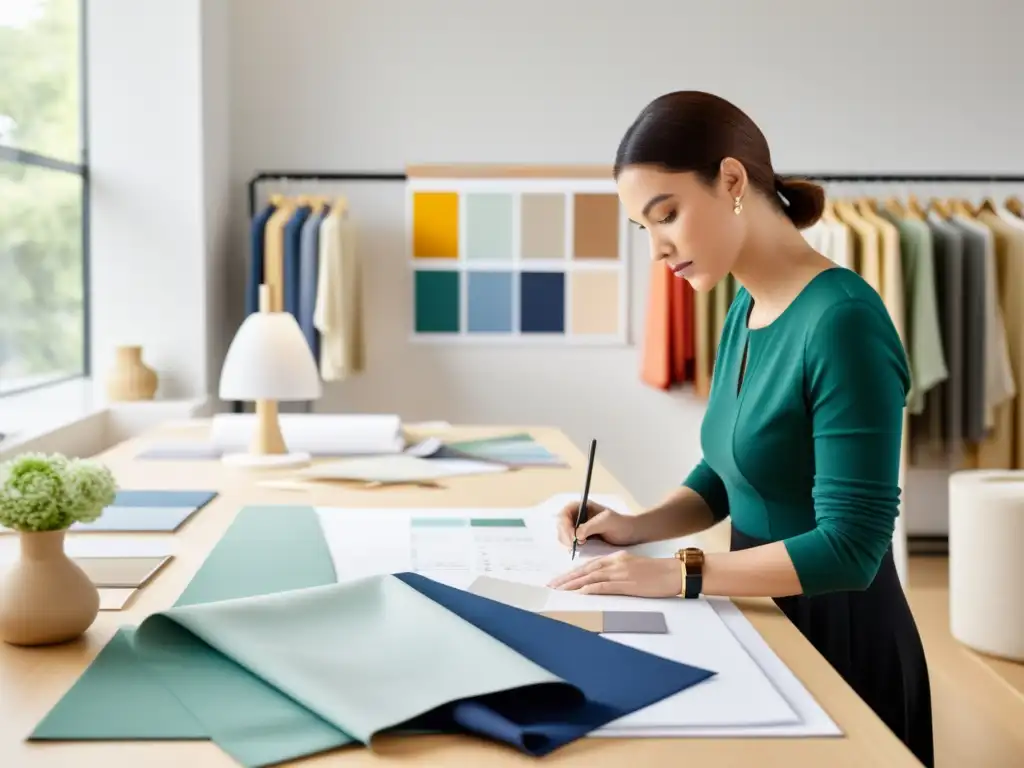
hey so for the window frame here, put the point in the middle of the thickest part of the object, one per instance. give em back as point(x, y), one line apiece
point(81, 168)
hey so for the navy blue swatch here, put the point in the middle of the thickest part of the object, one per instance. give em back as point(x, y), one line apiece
point(613, 678)
point(542, 302)
point(197, 499)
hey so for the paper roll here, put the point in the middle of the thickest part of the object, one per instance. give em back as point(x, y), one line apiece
point(986, 561)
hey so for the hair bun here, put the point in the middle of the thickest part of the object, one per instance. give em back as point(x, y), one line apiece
point(802, 201)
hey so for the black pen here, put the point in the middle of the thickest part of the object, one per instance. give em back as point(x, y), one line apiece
point(581, 513)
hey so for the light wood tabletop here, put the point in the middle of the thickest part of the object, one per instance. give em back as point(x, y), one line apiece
point(32, 680)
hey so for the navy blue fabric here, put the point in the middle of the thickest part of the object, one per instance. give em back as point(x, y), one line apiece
point(614, 679)
point(292, 255)
point(309, 273)
point(258, 241)
point(542, 302)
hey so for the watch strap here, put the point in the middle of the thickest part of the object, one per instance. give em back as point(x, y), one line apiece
point(691, 564)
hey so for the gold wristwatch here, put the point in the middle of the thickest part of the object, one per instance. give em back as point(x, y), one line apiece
point(691, 565)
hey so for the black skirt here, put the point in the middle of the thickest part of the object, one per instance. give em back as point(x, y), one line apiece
point(871, 639)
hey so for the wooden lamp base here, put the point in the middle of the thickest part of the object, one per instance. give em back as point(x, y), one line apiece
point(267, 449)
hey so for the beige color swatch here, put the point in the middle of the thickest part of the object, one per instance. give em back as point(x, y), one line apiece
point(592, 621)
point(120, 572)
point(595, 226)
point(595, 303)
point(542, 226)
point(115, 599)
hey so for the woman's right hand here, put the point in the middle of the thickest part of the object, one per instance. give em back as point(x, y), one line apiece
point(602, 523)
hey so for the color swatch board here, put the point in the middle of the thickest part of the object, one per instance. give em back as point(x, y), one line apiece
point(456, 546)
point(518, 259)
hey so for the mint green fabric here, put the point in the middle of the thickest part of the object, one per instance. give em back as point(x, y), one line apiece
point(270, 659)
point(365, 656)
point(265, 550)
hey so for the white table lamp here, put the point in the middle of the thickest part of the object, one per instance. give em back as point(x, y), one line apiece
point(269, 361)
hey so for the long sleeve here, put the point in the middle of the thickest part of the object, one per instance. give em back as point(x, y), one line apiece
point(709, 486)
point(856, 384)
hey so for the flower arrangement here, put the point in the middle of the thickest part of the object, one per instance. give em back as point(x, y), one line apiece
point(40, 492)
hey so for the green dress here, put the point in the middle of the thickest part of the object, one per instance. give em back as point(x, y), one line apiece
point(802, 441)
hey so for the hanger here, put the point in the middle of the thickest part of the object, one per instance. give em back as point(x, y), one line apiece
point(829, 211)
point(1015, 206)
point(341, 205)
point(961, 207)
point(939, 207)
point(276, 199)
point(895, 206)
point(987, 205)
point(914, 209)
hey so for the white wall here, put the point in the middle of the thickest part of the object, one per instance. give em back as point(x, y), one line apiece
point(157, 86)
point(377, 84)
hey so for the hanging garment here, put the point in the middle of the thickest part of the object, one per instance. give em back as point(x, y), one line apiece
point(703, 349)
point(866, 248)
point(891, 269)
point(831, 238)
point(257, 241)
point(922, 331)
point(976, 330)
point(338, 311)
point(1009, 249)
point(309, 264)
point(656, 360)
point(681, 330)
point(995, 450)
point(292, 254)
point(273, 255)
point(721, 299)
point(1014, 302)
point(944, 406)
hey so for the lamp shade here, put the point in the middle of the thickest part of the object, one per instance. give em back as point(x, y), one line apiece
point(269, 359)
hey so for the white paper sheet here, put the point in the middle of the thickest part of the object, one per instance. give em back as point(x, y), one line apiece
point(319, 434)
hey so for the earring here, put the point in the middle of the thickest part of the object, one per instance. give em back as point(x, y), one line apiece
point(737, 206)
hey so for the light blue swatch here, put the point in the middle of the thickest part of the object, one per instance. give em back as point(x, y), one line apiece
point(489, 226)
point(490, 302)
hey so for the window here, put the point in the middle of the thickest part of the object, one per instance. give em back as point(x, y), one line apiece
point(43, 193)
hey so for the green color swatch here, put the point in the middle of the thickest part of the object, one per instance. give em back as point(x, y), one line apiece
point(437, 301)
point(497, 522)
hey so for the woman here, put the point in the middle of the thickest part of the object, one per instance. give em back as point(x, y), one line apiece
point(802, 435)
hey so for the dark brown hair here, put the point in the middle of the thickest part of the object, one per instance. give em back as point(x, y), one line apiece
point(692, 131)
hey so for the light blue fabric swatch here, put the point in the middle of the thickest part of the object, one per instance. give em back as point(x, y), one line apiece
point(489, 307)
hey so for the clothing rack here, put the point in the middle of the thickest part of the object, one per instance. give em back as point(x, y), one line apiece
point(401, 176)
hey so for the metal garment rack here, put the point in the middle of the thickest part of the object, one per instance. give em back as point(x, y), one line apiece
point(401, 176)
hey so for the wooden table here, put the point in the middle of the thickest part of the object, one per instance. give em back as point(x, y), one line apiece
point(32, 680)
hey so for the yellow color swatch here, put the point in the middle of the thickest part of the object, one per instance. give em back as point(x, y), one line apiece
point(435, 225)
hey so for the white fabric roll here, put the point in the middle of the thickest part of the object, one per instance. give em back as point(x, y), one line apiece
point(986, 561)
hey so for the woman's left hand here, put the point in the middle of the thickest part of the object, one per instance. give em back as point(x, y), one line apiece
point(624, 574)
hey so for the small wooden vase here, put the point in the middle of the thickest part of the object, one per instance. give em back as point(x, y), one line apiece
point(130, 378)
point(45, 597)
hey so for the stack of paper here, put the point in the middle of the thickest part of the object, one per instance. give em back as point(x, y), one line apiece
point(315, 433)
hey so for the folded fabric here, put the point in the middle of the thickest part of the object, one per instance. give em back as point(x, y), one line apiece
point(272, 674)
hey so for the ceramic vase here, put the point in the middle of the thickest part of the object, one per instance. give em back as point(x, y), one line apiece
point(45, 597)
point(130, 378)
